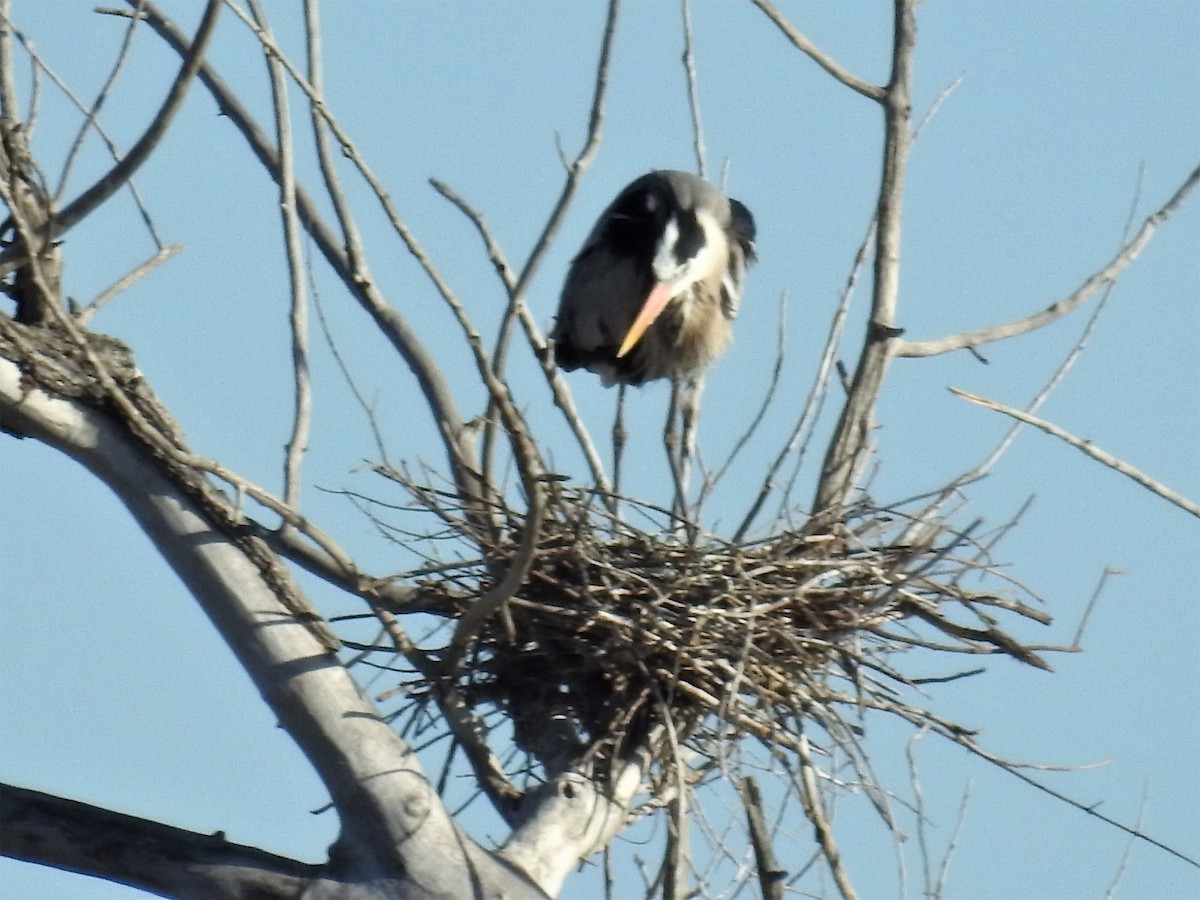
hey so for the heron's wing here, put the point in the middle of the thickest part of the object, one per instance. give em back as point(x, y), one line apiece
point(600, 299)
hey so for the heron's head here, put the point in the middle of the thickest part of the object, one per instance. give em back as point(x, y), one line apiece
point(689, 231)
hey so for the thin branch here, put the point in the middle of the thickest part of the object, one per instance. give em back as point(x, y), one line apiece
point(1088, 448)
point(678, 854)
point(816, 396)
point(514, 577)
point(39, 65)
point(119, 174)
point(93, 111)
point(495, 254)
point(576, 167)
point(456, 439)
point(1126, 255)
point(914, 778)
point(518, 308)
point(1127, 852)
point(35, 91)
point(298, 318)
point(689, 69)
point(126, 281)
point(1077, 641)
point(8, 78)
point(939, 887)
point(468, 731)
point(930, 512)
point(509, 279)
point(512, 419)
point(163, 443)
point(757, 419)
point(813, 52)
point(814, 809)
point(1134, 831)
point(352, 237)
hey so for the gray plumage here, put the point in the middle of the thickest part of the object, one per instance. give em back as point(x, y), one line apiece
point(672, 236)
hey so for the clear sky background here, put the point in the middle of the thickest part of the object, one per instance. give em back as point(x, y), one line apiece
point(115, 690)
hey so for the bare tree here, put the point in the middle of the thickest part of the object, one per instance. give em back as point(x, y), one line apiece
point(587, 661)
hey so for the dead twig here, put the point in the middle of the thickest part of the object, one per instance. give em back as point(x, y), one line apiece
point(112, 181)
point(1088, 448)
point(822, 59)
point(297, 442)
point(1124, 256)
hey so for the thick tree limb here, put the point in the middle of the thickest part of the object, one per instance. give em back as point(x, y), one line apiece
point(393, 822)
point(565, 820)
point(66, 834)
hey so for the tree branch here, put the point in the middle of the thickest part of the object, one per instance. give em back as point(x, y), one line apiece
point(456, 439)
point(40, 65)
point(813, 52)
point(689, 71)
point(814, 808)
point(127, 281)
point(1086, 446)
point(392, 819)
point(770, 874)
point(173, 862)
point(846, 449)
point(518, 309)
point(565, 820)
point(119, 174)
point(8, 81)
point(1126, 255)
point(298, 318)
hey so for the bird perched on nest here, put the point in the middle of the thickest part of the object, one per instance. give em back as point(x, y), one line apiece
point(654, 290)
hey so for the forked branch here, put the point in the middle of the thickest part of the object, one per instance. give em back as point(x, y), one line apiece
point(113, 180)
point(456, 438)
point(1105, 276)
point(847, 448)
point(1087, 447)
point(822, 59)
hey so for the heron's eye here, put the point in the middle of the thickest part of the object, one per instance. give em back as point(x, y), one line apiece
point(644, 204)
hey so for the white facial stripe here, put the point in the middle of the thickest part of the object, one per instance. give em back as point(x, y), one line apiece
point(668, 270)
point(666, 267)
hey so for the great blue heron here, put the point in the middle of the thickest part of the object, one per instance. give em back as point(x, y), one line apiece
point(657, 283)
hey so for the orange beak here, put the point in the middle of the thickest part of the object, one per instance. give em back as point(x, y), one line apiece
point(659, 297)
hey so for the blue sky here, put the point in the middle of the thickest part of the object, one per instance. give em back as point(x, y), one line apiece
point(116, 691)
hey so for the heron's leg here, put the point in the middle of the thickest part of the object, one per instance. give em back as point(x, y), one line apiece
point(619, 436)
point(689, 414)
point(676, 456)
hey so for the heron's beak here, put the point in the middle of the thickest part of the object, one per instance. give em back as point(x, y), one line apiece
point(651, 309)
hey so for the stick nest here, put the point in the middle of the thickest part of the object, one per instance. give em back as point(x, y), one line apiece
point(617, 633)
